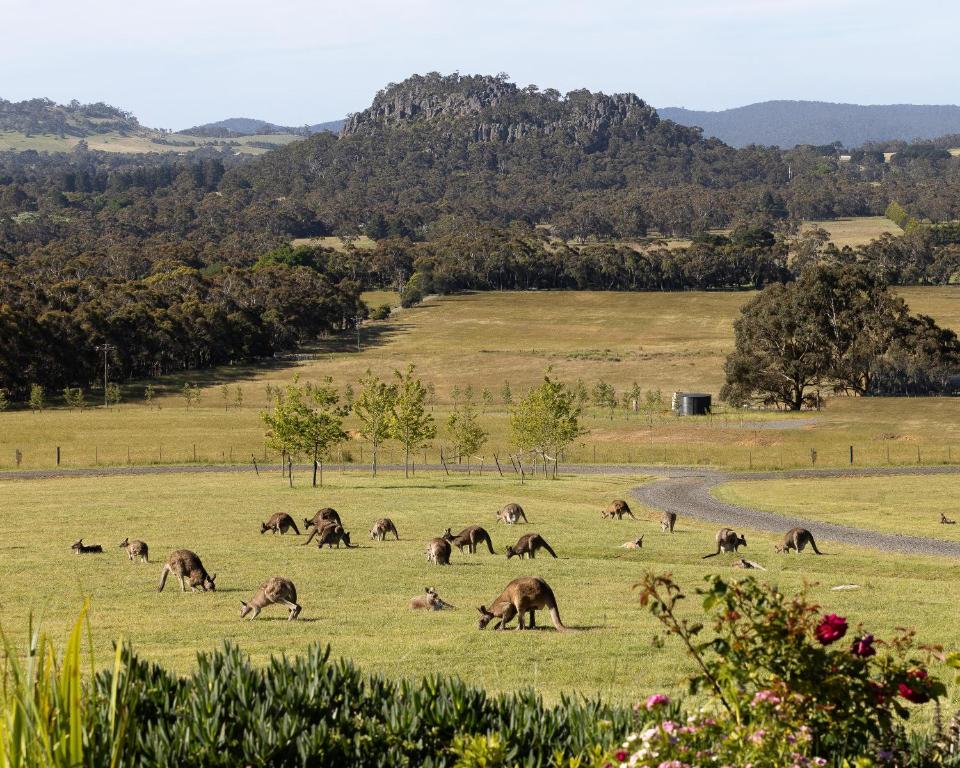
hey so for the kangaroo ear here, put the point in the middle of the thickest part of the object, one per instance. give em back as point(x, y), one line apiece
point(243, 604)
point(213, 578)
point(482, 610)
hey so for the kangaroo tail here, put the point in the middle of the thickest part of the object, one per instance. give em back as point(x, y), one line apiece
point(294, 526)
point(490, 544)
point(549, 549)
point(163, 577)
point(524, 516)
point(814, 545)
point(712, 554)
point(555, 618)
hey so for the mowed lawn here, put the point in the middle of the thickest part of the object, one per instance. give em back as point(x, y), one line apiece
point(905, 505)
point(356, 599)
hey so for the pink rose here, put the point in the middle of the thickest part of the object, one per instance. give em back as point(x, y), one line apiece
point(831, 628)
point(863, 647)
point(657, 700)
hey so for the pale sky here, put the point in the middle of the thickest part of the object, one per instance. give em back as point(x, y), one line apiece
point(177, 63)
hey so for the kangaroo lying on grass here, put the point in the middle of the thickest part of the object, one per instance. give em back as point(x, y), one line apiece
point(275, 591)
point(186, 566)
point(524, 595)
point(326, 514)
point(85, 549)
point(511, 513)
point(135, 549)
point(438, 551)
point(617, 509)
point(944, 520)
point(469, 537)
point(528, 545)
point(635, 544)
point(382, 527)
point(429, 601)
point(667, 521)
point(279, 523)
point(797, 538)
point(727, 541)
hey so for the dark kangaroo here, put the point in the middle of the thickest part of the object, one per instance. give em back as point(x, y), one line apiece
point(727, 541)
point(85, 549)
point(186, 566)
point(667, 521)
point(511, 513)
point(528, 545)
point(524, 595)
point(430, 600)
point(944, 520)
point(382, 527)
point(280, 523)
point(438, 551)
point(617, 509)
point(469, 537)
point(333, 534)
point(135, 549)
point(319, 528)
point(326, 514)
point(797, 538)
point(274, 591)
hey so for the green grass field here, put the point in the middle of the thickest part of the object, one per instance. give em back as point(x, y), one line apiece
point(357, 599)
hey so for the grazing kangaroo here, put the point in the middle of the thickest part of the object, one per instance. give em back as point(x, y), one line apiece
point(438, 551)
point(85, 549)
point(617, 509)
point(944, 520)
point(324, 515)
point(727, 541)
point(511, 513)
point(135, 549)
point(333, 534)
point(528, 545)
point(635, 544)
point(524, 595)
point(185, 564)
point(469, 537)
point(280, 523)
point(667, 521)
point(318, 530)
point(382, 527)
point(429, 601)
point(275, 591)
point(797, 538)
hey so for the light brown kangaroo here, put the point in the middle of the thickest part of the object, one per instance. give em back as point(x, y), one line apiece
point(469, 537)
point(429, 601)
point(382, 527)
point(528, 545)
point(333, 534)
point(667, 521)
point(318, 529)
point(80, 548)
point(135, 549)
point(524, 595)
point(944, 520)
point(186, 566)
point(617, 509)
point(274, 591)
point(727, 541)
point(511, 513)
point(635, 544)
point(280, 523)
point(797, 538)
point(438, 551)
point(324, 515)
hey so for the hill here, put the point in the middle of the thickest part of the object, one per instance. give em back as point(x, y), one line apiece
point(39, 116)
point(246, 126)
point(789, 123)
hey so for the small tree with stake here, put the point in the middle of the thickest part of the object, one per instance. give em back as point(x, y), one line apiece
point(409, 422)
point(546, 419)
point(373, 407)
point(463, 423)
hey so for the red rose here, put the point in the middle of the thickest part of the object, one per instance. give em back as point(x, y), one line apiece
point(913, 688)
point(831, 628)
point(863, 647)
point(621, 756)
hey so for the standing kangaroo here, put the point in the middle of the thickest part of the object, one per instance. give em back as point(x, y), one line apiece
point(430, 600)
point(511, 513)
point(635, 544)
point(280, 523)
point(275, 591)
point(944, 520)
point(469, 537)
point(382, 527)
point(80, 548)
point(528, 545)
point(797, 538)
point(186, 566)
point(727, 541)
point(326, 514)
point(135, 549)
point(667, 521)
point(617, 509)
point(438, 551)
point(524, 595)
point(333, 534)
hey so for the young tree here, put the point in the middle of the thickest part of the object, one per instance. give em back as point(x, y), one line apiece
point(373, 407)
point(604, 396)
point(191, 394)
point(113, 394)
point(409, 422)
point(4, 400)
point(225, 394)
point(506, 396)
point(632, 397)
point(148, 394)
point(463, 424)
point(73, 398)
point(546, 419)
point(36, 398)
point(238, 397)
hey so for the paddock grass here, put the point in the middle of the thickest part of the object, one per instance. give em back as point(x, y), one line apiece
point(139, 143)
point(357, 599)
point(858, 230)
point(904, 504)
point(336, 242)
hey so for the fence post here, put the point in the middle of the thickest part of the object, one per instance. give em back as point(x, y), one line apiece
point(918, 454)
point(851, 454)
point(58, 455)
point(194, 451)
point(19, 456)
point(96, 454)
point(128, 455)
point(254, 460)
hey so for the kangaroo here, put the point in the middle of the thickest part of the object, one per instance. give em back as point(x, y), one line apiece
point(185, 564)
point(727, 541)
point(333, 534)
point(135, 549)
point(382, 527)
point(667, 521)
point(469, 537)
point(511, 513)
point(524, 595)
point(85, 549)
point(635, 544)
point(325, 514)
point(429, 601)
point(748, 564)
point(438, 551)
point(944, 520)
point(318, 529)
point(617, 509)
point(274, 591)
point(797, 538)
point(280, 523)
point(528, 545)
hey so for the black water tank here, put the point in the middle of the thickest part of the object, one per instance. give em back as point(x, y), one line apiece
point(694, 404)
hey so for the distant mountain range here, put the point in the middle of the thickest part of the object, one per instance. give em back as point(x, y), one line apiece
point(247, 126)
point(788, 123)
